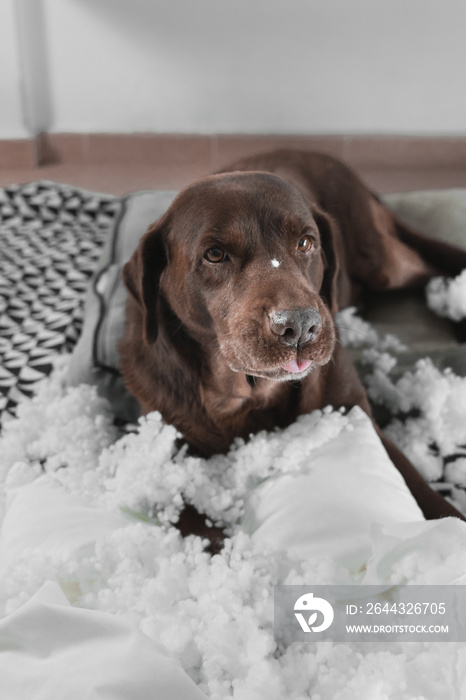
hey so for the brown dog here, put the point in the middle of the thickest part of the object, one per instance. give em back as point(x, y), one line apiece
point(229, 319)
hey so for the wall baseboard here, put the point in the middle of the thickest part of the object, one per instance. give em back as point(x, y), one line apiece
point(210, 152)
point(16, 154)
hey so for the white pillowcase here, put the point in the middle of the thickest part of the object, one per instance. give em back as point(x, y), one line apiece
point(327, 509)
point(53, 651)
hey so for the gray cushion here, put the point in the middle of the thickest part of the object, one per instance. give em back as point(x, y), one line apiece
point(440, 214)
point(95, 358)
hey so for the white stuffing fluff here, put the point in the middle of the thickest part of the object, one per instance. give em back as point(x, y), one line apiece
point(215, 613)
point(435, 401)
point(353, 330)
point(447, 297)
point(58, 427)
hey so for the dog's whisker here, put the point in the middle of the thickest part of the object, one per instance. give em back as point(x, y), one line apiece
point(354, 330)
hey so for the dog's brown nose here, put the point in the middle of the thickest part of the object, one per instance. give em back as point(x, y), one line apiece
point(296, 326)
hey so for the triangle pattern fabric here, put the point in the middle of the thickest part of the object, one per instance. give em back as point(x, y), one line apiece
point(51, 236)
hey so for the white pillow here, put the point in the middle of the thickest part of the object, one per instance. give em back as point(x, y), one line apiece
point(327, 509)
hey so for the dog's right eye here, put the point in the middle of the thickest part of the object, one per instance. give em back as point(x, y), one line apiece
point(215, 255)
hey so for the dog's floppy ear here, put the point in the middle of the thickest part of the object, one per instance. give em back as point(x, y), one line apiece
point(334, 283)
point(141, 276)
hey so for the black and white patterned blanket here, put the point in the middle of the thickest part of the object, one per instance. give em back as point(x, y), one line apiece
point(50, 240)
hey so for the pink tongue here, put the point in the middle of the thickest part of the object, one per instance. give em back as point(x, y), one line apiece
point(295, 367)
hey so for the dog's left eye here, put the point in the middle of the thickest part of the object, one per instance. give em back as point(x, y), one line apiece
point(305, 244)
point(215, 255)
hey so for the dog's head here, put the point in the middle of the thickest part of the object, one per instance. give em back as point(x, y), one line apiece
point(250, 269)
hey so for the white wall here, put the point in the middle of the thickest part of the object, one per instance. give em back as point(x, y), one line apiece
point(264, 66)
point(11, 120)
